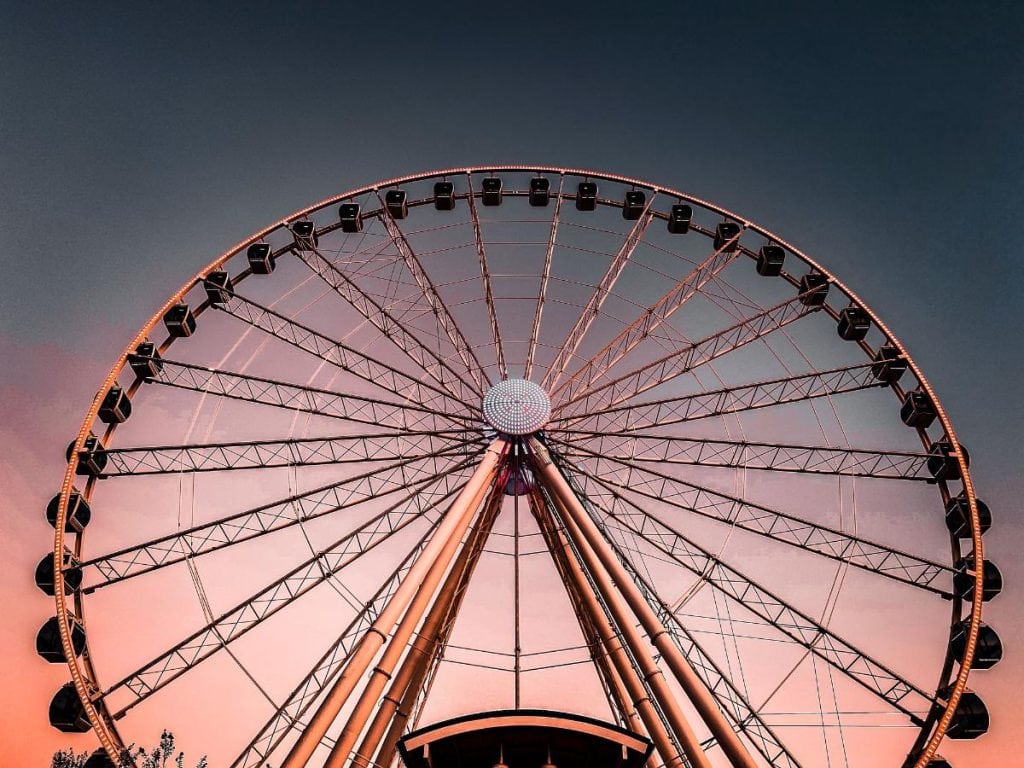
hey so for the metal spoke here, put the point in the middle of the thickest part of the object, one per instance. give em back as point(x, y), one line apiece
point(341, 355)
point(622, 476)
point(769, 607)
point(485, 276)
point(229, 626)
point(742, 454)
point(388, 325)
point(684, 360)
point(288, 715)
point(598, 366)
point(744, 718)
point(296, 397)
point(260, 454)
point(531, 350)
point(413, 472)
point(432, 639)
point(601, 292)
point(717, 402)
point(442, 315)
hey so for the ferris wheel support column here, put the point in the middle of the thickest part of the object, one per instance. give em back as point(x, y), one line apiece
point(394, 708)
point(615, 584)
point(453, 526)
point(626, 685)
point(402, 636)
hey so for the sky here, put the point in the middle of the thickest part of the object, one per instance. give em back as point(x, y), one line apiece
point(136, 142)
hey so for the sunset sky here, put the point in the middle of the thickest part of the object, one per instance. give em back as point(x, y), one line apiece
point(137, 143)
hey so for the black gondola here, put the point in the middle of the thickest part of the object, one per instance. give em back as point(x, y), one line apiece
point(854, 324)
point(679, 219)
point(219, 287)
point(66, 711)
point(963, 579)
point(958, 516)
point(888, 366)
point(770, 259)
point(444, 196)
point(261, 259)
point(91, 459)
point(146, 361)
point(116, 406)
point(78, 516)
point(539, 191)
point(942, 465)
point(349, 214)
point(813, 289)
point(46, 580)
point(491, 190)
point(970, 719)
point(917, 409)
point(633, 204)
point(727, 236)
point(586, 196)
point(988, 651)
point(305, 235)
point(396, 203)
point(180, 321)
point(48, 644)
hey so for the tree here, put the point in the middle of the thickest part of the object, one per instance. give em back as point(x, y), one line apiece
point(161, 756)
point(66, 758)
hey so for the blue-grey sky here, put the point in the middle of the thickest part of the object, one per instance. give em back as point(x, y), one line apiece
point(137, 141)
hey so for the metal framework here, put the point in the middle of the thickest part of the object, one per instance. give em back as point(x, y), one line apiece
point(318, 456)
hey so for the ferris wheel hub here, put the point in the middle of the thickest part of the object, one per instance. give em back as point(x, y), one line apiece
point(517, 407)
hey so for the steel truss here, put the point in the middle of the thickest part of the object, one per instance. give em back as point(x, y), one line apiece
point(657, 314)
point(624, 477)
point(683, 361)
point(741, 454)
point(260, 606)
point(734, 399)
point(412, 473)
point(433, 298)
point(391, 327)
point(885, 683)
point(296, 397)
point(298, 452)
point(572, 341)
point(342, 356)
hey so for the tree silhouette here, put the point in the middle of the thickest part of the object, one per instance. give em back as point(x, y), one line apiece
point(161, 756)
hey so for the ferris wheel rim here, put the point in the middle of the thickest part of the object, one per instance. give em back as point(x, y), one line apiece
point(84, 677)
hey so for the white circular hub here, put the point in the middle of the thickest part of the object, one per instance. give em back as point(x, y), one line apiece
point(517, 407)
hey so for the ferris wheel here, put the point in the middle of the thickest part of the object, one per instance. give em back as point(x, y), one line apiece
point(519, 439)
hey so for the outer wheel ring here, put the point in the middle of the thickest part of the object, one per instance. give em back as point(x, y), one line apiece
point(82, 673)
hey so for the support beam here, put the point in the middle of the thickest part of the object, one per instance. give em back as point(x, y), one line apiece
point(442, 315)
point(453, 526)
point(609, 573)
point(399, 642)
point(602, 291)
point(417, 661)
point(545, 277)
point(738, 398)
point(485, 276)
point(636, 687)
point(685, 359)
point(653, 317)
point(590, 618)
